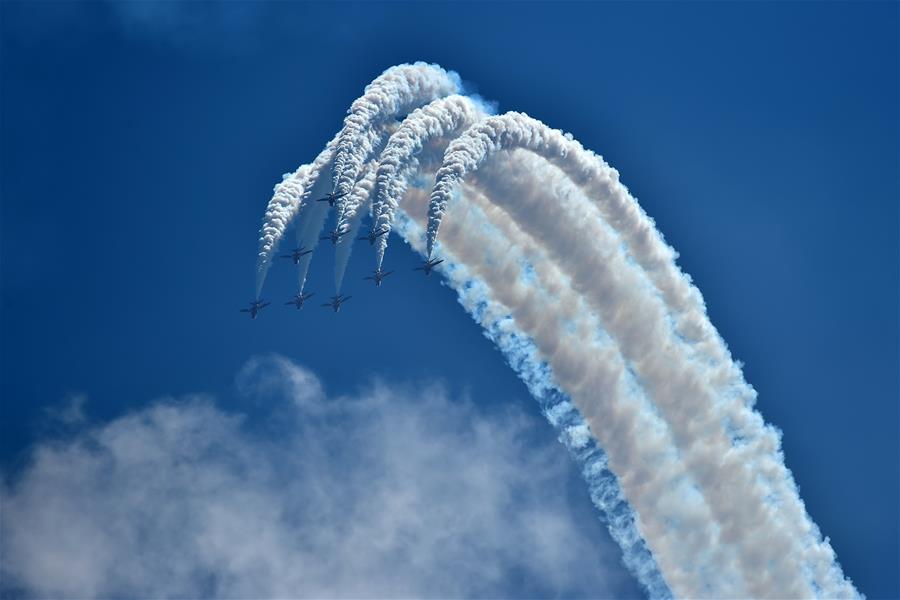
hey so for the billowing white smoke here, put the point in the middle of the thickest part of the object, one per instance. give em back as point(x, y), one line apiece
point(432, 124)
point(440, 120)
point(284, 207)
point(688, 372)
point(536, 339)
point(569, 276)
point(355, 206)
point(397, 91)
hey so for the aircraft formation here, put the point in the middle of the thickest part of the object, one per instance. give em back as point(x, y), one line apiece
point(335, 303)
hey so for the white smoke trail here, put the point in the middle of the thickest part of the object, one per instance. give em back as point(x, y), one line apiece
point(687, 400)
point(433, 122)
point(662, 393)
point(284, 207)
point(398, 90)
point(672, 514)
point(358, 199)
point(280, 212)
point(634, 316)
point(443, 118)
point(295, 198)
point(395, 92)
point(548, 327)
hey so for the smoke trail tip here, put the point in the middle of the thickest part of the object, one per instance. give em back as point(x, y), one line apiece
point(488, 107)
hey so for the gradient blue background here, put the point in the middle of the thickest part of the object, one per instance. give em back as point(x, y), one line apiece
point(140, 145)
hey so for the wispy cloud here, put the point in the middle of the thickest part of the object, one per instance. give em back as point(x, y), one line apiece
point(394, 491)
point(213, 26)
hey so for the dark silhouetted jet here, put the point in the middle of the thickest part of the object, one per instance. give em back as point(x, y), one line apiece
point(330, 198)
point(373, 235)
point(335, 236)
point(296, 254)
point(429, 265)
point(255, 307)
point(378, 276)
point(299, 299)
point(336, 302)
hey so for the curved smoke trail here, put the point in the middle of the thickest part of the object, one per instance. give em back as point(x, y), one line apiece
point(574, 283)
point(484, 291)
point(695, 395)
point(285, 205)
point(434, 122)
point(397, 91)
point(590, 369)
point(439, 120)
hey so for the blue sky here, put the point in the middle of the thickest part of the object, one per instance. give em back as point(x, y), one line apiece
point(140, 145)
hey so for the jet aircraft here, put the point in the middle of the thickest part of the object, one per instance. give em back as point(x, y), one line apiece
point(299, 299)
point(296, 254)
point(373, 235)
point(429, 265)
point(336, 302)
point(330, 198)
point(335, 236)
point(378, 276)
point(255, 307)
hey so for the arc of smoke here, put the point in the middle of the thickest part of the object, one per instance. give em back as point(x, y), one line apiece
point(437, 120)
point(638, 442)
point(577, 241)
point(294, 199)
point(433, 122)
point(285, 205)
point(397, 91)
point(558, 324)
point(374, 140)
point(279, 213)
point(515, 130)
point(696, 341)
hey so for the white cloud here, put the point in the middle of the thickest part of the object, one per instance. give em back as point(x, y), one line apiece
point(394, 492)
point(70, 412)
